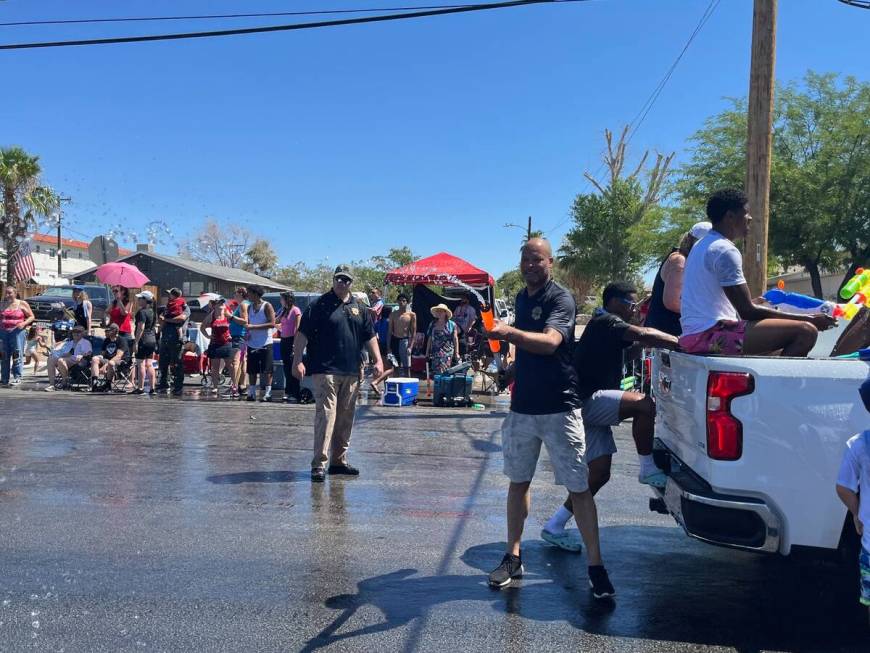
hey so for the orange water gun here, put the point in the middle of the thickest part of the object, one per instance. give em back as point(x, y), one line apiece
point(488, 318)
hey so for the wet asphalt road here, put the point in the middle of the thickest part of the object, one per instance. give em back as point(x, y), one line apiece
point(137, 524)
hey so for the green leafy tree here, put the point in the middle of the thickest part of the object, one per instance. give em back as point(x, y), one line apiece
point(368, 273)
point(25, 200)
point(303, 277)
point(819, 198)
point(260, 258)
point(611, 230)
point(510, 283)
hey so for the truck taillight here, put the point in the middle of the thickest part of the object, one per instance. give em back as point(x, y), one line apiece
point(724, 431)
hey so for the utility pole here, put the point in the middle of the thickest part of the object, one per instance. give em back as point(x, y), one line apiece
point(59, 215)
point(59, 243)
point(528, 228)
point(759, 138)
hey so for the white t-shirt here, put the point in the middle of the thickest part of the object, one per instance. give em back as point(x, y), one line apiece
point(70, 347)
point(713, 263)
point(855, 475)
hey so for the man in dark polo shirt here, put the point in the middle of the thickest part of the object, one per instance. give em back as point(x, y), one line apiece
point(545, 409)
point(335, 329)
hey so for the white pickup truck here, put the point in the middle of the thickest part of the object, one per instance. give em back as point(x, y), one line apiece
point(752, 447)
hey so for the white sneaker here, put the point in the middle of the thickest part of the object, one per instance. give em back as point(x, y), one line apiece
point(50, 388)
point(15, 381)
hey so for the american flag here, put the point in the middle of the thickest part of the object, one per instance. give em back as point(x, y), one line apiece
point(22, 263)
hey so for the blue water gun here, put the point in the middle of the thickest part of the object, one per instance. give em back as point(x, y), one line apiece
point(797, 303)
point(862, 354)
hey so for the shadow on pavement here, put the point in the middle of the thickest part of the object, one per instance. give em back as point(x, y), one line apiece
point(258, 477)
point(669, 589)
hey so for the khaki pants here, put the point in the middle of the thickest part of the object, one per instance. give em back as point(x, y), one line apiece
point(335, 399)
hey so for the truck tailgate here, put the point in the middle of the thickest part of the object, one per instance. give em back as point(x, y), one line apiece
point(796, 421)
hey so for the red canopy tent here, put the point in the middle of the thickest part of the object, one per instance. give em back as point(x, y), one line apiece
point(442, 269)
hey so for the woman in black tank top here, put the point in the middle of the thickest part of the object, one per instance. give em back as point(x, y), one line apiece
point(664, 305)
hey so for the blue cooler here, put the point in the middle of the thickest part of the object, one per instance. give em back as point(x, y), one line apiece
point(400, 391)
point(452, 390)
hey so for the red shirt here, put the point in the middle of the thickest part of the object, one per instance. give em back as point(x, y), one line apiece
point(124, 322)
point(220, 330)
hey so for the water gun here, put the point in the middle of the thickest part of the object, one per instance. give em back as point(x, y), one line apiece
point(797, 303)
point(488, 318)
point(857, 291)
point(861, 354)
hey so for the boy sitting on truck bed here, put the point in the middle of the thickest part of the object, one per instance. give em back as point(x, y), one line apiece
point(717, 312)
point(854, 476)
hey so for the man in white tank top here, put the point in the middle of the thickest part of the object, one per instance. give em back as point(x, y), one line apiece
point(261, 321)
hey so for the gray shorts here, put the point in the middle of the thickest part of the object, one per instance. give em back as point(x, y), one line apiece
point(561, 433)
point(600, 412)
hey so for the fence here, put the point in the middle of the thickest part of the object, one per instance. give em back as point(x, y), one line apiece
point(26, 290)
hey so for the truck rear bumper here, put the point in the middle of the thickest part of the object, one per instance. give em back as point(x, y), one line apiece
point(746, 523)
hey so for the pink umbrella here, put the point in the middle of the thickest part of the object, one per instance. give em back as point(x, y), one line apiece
point(121, 274)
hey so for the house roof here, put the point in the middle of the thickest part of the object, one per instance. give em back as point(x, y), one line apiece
point(233, 275)
point(65, 242)
point(70, 242)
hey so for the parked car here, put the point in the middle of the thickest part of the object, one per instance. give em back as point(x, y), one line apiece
point(41, 304)
point(198, 310)
point(504, 312)
point(752, 445)
point(303, 299)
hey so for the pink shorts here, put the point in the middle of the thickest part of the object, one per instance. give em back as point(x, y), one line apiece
point(724, 337)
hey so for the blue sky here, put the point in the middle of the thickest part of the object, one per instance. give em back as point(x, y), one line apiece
point(338, 144)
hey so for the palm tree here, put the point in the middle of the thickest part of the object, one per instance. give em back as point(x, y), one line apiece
point(21, 190)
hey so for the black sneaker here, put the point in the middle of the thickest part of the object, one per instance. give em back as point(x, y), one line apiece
point(345, 470)
point(511, 567)
point(318, 476)
point(600, 583)
point(178, 392)
point(138, 391)
point(162, 388)
point(251, 398)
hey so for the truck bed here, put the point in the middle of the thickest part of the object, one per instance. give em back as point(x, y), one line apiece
point(796, 421)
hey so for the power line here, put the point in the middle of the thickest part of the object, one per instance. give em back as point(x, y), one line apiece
point(647, 106)
point(651, 100)
point(273, 14)
point(284, 28)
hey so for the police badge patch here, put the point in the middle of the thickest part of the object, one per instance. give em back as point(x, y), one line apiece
point(537, 311)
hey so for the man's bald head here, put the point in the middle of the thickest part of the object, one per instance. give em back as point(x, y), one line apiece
point(541, 245)
point(536, 262)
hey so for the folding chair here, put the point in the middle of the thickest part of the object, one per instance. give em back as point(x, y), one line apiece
point(80, 375)
point(123, 376)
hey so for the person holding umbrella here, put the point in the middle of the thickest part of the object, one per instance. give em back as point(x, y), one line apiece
point(120, 314)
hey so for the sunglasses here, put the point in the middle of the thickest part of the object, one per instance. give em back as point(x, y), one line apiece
point(631, 305)
point(344, 280)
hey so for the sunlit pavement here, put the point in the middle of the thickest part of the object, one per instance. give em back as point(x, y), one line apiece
point(135, 524)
